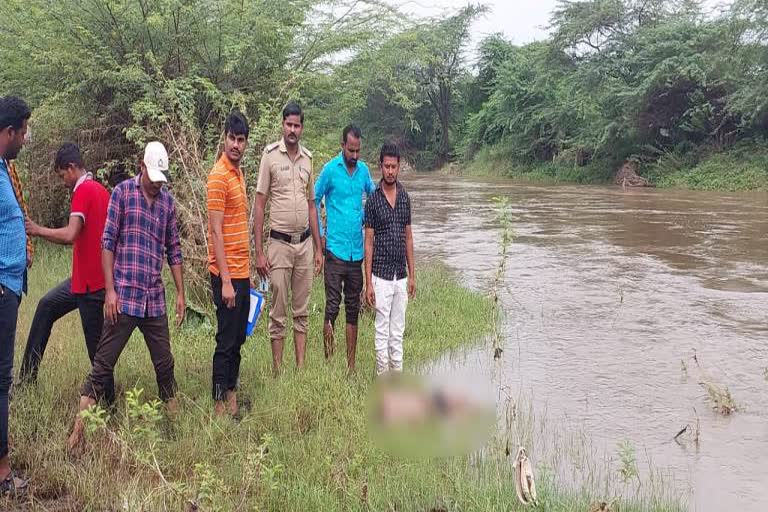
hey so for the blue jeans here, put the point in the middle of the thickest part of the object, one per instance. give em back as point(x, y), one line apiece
point(9, 313)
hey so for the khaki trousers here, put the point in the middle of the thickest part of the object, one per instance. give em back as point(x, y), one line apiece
point(290, 268)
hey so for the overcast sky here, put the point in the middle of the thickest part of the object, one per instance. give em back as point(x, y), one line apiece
point(521, 21)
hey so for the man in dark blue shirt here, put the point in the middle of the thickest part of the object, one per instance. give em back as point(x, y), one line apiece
point(14, 114)
point(342, 183)
point(389, 266)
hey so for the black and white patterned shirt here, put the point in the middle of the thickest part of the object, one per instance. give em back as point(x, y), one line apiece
point(388, 226)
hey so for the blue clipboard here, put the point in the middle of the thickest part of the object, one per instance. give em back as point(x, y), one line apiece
point(254, 312)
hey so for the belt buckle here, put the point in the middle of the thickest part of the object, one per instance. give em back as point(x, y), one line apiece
point(295, 239)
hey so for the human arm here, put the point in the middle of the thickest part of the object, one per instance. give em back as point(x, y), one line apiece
point(108, 245)
point(64, 236)
point(321, 188)
point(410, 262)
point(217, 194)
point(216, 223)
point(313, 222)
point(173, 252)
point(370, 224)
point(177, 272)
point(111, 303)
point(370, 295)
point(263, 187)
point(313, 228)
point(262, 264)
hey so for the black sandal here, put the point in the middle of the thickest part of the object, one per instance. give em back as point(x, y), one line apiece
point(9, 487)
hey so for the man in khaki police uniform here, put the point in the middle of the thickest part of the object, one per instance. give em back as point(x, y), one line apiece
point(285, 179)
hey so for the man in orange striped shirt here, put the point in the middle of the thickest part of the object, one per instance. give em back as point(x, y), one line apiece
point(228, 261)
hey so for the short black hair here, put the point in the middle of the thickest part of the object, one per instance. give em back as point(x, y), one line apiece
point(13, 112)
point(354, 130)
point(117, 174)
point(293, 109)
point(68, 154)
point(236, 124)
point(389, 149)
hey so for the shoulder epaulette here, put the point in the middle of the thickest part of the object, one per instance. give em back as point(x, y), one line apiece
point(306, 152)
point(272, 146)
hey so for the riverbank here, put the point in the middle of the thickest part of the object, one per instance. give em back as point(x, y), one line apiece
point(302, 443)
point(743, 168)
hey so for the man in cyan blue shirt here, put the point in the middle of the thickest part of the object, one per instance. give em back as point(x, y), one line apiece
point(14, 114)
point(342, 183)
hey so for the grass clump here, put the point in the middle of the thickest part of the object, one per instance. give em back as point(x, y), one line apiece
point(720, 398)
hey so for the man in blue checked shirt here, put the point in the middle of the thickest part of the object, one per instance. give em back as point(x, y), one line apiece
point(342, 183)
point(14, 114)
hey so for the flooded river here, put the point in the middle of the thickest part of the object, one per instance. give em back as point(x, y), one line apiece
point(609, 296)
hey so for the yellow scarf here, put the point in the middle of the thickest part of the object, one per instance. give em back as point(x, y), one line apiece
point(16, 182)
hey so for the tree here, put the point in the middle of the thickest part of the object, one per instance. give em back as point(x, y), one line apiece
point(440, 57)
point(113, 74)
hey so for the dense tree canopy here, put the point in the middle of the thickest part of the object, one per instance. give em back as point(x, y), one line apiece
point(651, 80)
point(626, 79)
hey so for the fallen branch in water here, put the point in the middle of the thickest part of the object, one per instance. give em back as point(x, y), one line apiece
point(682, 431)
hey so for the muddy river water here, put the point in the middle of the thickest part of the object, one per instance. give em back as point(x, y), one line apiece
point(609, 295)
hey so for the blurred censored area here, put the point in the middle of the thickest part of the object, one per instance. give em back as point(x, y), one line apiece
point(412, 418)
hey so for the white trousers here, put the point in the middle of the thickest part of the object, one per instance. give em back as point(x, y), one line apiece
point(391, 302)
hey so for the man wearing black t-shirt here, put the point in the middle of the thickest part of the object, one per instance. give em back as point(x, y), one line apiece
point(389, 266)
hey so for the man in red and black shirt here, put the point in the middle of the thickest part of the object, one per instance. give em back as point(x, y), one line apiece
point(83, 291)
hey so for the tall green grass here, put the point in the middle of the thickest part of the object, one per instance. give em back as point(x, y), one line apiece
point(494, 163)
point(741, 168)
point(302, 444)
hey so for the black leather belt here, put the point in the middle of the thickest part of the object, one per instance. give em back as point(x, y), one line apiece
point(291, 239)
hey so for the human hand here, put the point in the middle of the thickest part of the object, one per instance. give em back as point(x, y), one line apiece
point(262, 264)
point(181, 309)
point(411, 287)
point(228, 294)
point(318, 263)
point(31, 227)
point(111, 306)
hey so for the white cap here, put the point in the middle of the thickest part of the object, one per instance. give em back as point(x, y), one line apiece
point(156, 160)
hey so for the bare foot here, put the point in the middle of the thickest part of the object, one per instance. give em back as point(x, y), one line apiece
point(232, 403)
point(219, 408)
point(75, 443)
point(172, 408)
point(328, 340)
